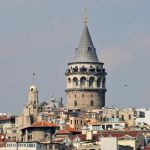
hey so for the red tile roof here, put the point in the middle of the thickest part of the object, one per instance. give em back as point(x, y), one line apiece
point(147, 148)
point(82, 137)
point(121, 134)
point(43, 124)
point(58, 140)
point(106, 134)
point(62, 132)
point(2, 137)
point(6, 118)
point(73, 130)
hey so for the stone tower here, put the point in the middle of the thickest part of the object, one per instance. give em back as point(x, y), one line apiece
point(31, 109)
point(85, 76)
point(30, 112)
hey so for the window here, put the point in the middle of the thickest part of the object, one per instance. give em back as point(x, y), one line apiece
point(75, 82)
point(31, 145)
point(99, 82)
point(91, 81)
point(30, 137)
point(92, 103)
point(103, 83)
point(75, 95)
point(89, 48)
point(82, 81)
point(46, 135)
point(129, 117)
point(69, 80)
point(122, 117)
point(75, 69)
point(75, 103)
point(82, 95)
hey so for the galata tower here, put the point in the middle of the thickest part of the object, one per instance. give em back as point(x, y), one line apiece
point(85, 76)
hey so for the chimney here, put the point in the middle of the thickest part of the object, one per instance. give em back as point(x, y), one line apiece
point(61, 102)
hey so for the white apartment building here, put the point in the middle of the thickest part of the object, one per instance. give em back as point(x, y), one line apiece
point(143, 116)
point(23, 146)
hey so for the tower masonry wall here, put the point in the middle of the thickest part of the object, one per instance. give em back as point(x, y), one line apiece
point(86, 100)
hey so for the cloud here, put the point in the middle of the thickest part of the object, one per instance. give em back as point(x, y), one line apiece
point(137, 47)
point(116, 57)
point(141, 40)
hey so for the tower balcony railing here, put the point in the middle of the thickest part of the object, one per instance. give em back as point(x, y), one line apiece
point(91, 71)
point(85, 88)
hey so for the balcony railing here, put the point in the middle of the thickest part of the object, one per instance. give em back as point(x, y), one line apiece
point(85, 89)
point(87, 71)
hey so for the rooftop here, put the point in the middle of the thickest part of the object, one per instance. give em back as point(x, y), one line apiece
point(43, 124)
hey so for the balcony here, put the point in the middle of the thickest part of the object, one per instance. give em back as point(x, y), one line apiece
point(85, 89)
point(85, 71)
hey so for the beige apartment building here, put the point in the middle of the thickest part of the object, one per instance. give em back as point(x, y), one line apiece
point(125, 114)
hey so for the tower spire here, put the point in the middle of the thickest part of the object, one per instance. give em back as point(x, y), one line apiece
point(86, 51)
point(85, 16)
point(33, 78)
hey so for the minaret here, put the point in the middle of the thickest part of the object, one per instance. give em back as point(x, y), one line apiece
point(85, 76)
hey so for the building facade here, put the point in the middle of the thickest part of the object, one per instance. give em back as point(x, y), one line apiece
point(24, 146)
point(85, 76)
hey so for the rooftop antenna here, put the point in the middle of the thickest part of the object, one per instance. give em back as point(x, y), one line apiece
point(33, 77)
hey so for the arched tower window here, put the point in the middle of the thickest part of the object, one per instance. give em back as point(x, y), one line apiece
point(82, 81)
point(103, 83)
point(75, 81)
point(91, 81)
point(34, 102)
point(75, 103)
point(76, 69)
point(92, 103)
point(69, 80)
point(99, 82)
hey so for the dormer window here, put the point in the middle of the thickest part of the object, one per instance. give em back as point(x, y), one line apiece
point(89, 48)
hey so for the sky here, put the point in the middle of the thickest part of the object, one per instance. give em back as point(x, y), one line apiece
point(40, 36)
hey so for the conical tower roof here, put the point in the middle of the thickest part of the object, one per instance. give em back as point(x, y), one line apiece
point(86, 51)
